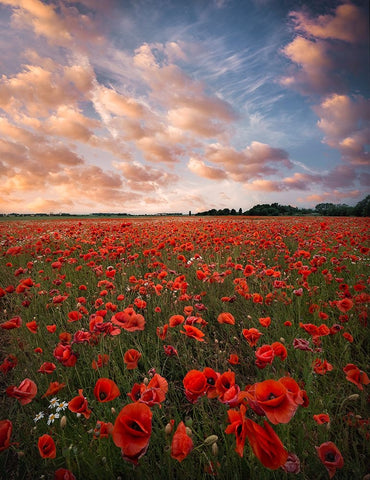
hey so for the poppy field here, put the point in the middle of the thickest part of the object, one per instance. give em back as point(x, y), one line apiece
point(184, 348)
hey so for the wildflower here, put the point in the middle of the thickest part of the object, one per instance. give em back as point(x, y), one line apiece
point(25, 393)
point(79, 405)
point(46, 446)
point(193, 332)
point(237, 426)
point(39, 416)
point(106, 390)
point(6, 428)
point(52, 417)
point(54, 402)
point(62, 406)
point(330, 456)
point(266, 445)
point(131, 358)
point(132, 430)
point(181, 444)
point(356, 376)
point(252, 335)
point(227, 318)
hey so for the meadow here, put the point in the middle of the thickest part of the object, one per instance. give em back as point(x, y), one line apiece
point(184, 348)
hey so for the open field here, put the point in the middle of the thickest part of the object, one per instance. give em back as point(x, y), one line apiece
point(184, 348)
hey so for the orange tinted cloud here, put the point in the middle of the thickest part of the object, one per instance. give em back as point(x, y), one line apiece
point(347, 23)
point(345, 121)
point(202, 170)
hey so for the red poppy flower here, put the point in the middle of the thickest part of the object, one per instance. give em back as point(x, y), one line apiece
point(298, 396)
point(25, 393)
point(14, 322)
point(10, 361)
point(279, 350)
point(211, 379)
point(6, 428)
point(356, 376)
point(32, 326)
point(181, 444)
point(106, 390)
point(321, 418)
point(103, 429)
point(264, 356)
point(176, 320)
point(51, 328)
point(53, 388)
point(233, 359)
point(237, 426)
point(79, 405)
point(330, 456)
point(344, 305)
point(272, 397)
point(132, 430)
point(162, 331)
point(102, 360)
point(195, 383)
point(63, 474)
point(266, 445)
point(131, 358)
point(46, 446)
point(226, 317)
point(74, 316)
point(265, 321)
point(321, 366)
point(170, 351)
point(65, 355)
point(251, 335)
point(155, 392)
point(129, 320)
point(47, 367)
point(193, 332)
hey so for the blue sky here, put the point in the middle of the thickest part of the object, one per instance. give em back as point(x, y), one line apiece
point(171, 106)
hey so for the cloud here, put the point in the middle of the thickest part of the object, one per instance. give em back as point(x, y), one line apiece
point(334, 196)
point(257, 160)
point(61, 23)
point(143, 177)
point(38, 90)
point(345, 120)
point(326, 50)
point(202, 170)
point(347, 23)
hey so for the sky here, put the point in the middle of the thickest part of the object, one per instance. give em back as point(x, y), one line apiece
point(151, 106)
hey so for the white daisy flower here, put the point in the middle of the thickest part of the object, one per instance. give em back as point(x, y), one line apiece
point(54, 402)
point(39, 416)
point(62, 406)
point(52, 418)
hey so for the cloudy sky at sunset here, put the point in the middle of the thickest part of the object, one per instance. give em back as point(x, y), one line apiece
point(146, 106)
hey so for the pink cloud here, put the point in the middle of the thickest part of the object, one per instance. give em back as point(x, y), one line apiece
point(347, 23)
point(326, 48)
point(61, 24)
point(345, 121)
point(256, 161)
point(335, 196)
point(142, 177)
point(202, 170)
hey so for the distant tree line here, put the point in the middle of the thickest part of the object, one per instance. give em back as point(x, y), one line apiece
point(361, 209)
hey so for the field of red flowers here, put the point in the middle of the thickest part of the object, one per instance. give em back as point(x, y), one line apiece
point(184, 348)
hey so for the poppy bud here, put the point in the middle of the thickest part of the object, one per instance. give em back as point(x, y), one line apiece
point(210, 440)
point(113, 410)
point(188, 431)
point(168, 429)
point(282, 339)
point(63, 421)
point(214, 449)
point(146, 381)
point(354, 396)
